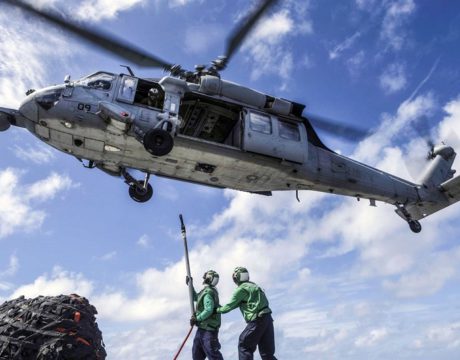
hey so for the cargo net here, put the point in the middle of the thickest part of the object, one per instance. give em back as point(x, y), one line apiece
point(50, 327)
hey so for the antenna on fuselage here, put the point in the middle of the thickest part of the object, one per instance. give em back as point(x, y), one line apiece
point(129, 69)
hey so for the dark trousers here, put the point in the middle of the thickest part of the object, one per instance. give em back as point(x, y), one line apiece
point(258, 333)
point(206, 345)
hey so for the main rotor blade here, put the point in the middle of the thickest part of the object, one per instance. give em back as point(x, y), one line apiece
point(347, 132)
point(96, 37)
point(240, 33)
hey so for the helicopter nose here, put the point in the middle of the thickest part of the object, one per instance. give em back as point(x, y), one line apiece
point(29, 108)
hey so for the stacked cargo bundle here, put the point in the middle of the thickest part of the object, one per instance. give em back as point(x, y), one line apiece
point(50, 327)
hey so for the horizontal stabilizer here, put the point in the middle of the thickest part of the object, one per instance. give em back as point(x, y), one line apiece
point(452, 188)
point(448, 193)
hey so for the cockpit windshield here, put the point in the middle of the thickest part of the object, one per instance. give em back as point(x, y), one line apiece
point(100, 80)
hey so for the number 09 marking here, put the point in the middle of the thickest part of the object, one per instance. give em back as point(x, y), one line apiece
point(85, 107)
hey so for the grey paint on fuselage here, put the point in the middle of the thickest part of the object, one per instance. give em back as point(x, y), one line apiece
point(76, 124)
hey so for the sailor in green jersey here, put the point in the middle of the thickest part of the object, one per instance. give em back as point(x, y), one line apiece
point(253, 304)
point(206, 343)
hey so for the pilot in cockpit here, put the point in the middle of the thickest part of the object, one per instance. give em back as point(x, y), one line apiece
point(100, 84)
point(153, 98)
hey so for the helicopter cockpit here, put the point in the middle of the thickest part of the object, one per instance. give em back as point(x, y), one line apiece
point(100, 80)
point(49, 97)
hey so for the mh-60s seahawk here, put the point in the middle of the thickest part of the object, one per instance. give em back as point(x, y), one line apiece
point(197, 127)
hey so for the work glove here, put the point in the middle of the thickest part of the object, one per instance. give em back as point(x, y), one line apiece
point(187, 279)
point(193, 320)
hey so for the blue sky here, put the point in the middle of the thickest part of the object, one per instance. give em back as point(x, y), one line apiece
point(345, 281)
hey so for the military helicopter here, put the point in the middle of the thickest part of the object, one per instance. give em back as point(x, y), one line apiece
point(195, 126)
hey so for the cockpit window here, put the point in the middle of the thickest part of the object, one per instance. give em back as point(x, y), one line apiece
point(101, 81)
point(48, 98)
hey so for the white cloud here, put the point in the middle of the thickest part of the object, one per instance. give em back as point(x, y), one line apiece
point(97, 10)
point(107, 257)
point(356, 63)
point(344, 45)
point(158, 297)
point(365, 4)
point(147, 343)
point(448, 131)
point(91, 10)
point(397, 14)
point(17, 202)
point(381, 239)
point(12, 267)
point(144, 241)
point(268, 44)
point(168, 191)
point(448, 335)
point(178, 3)
point(265, 44)
point(444, 335)
point(424, 281)
point(393, 78)
point(37, 154)
point(158, 293)
point(17, 40)
point(199, 39)
point(408, 112)
point(328, 341)
point(59, 282)
point(307, 62)
point(48, 188)
point(371, 339)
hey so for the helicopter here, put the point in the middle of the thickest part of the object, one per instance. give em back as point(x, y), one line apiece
point(197, 127)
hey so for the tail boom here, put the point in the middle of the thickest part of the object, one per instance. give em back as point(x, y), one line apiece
point(438, 189)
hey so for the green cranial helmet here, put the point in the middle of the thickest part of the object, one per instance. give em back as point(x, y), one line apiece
point(240, 275)
point(211, 277)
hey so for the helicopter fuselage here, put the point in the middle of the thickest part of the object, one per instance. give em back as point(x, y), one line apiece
point(258, 145)
point(195, 126)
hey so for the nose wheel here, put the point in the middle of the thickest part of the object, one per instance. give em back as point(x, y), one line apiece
point(139, 190)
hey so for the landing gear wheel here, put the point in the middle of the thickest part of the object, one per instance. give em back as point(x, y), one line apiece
point(158, 142)
point(139, 194)
point(415, 226)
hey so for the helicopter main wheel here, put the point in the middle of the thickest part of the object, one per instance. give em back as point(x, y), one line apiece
point(415, 226)
point(140, 194)
point(158, 142)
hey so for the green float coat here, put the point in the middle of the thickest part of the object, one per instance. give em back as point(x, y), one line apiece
point(251, 300)
point(207, 301)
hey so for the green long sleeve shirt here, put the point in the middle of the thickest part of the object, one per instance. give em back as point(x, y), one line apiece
point(251, 300)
